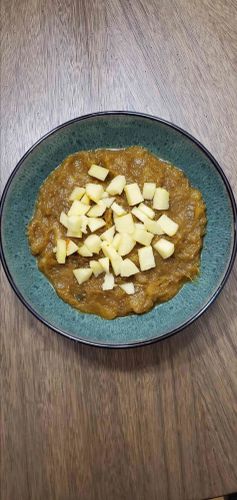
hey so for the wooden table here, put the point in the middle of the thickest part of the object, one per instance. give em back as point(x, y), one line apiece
point(144, 424)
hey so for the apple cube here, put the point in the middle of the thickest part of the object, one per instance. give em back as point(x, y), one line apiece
point(94, 191)
point(165, 248)
point(71, 248)
point(74, 223)
point(139, 214)
point(117, 209)
point(116, 186)
point(93, 242)
point(133, 194)
point(149, 190)
point(82, 274)
point(139, 225)
point(85, 199)
point(104, 262)
point(96, 267)
point(116, 263)
point(108, 234)
point(84, 251)
point(106, 202)
point(116, 241)
point(128, 288)
point(108, 282)
point(96, 211)
point(78, 208)
point(142, 237)
point(146, 258)
point(61, 251)
point(74, 234)
point(153, 226)
point(95, 223)
point(128, 268)
point(108, 250)
point(126, 244)
point(63, 219)
point(77, 193)
point(98, 172)
point(168, 225)
point(147, 210)
point(124, 224)
point(84, 223)
point(161, 199)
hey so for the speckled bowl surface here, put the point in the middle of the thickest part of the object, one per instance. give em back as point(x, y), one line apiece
point(118, 130)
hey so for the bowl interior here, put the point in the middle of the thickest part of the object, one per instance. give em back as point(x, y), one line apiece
point(117, 131)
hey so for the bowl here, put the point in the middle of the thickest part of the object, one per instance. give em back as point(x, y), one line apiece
point(118, 130)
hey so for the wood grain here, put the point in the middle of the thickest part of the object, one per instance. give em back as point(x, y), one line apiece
point(151, 423)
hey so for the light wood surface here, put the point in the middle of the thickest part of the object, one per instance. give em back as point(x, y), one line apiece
point(153, 423)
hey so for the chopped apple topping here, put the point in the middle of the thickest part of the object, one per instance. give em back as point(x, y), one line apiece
point(98, 172)
point(133, 193)
point(82, 274)
point(165, 248)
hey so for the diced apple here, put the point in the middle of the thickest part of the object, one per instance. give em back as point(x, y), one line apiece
point(165, 248)
point(139, 225)
point(93, 242)
point(71, 248)
point(116, 263)
point(108, 235)
point(95, 223)
point(85, 199)
point(128, 268)
point(116, 186)
point(108, 282)
point(128, 288)
point(82, 274)
point(63, 219)
point(149, 190)
point(74, 223)
point(117, 209)
point(98, 172)
point(104, 262)
point(139, 214)
point(168, 225)
point(77, 193)
point(142, 237)
point(161, 199)
point(61, 251)
point(74, 234)
point(146, 258)
point(147, 210)
point(133, 194)
point(108, 250)
point(116, 241)
point(107, 202)
point(84, 251)
point(94, 191)
point(78, 208)
point(96, 211)
point(153, 226)
point(96, 267)
point(84, 223)
point(126, 244)
point(124, 224)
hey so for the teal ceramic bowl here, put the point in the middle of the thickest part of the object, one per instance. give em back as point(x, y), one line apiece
point(118, 130)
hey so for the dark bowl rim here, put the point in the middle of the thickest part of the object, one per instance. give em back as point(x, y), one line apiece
point(195, 316)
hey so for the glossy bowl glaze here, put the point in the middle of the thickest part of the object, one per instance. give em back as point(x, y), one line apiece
point(118, 130)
